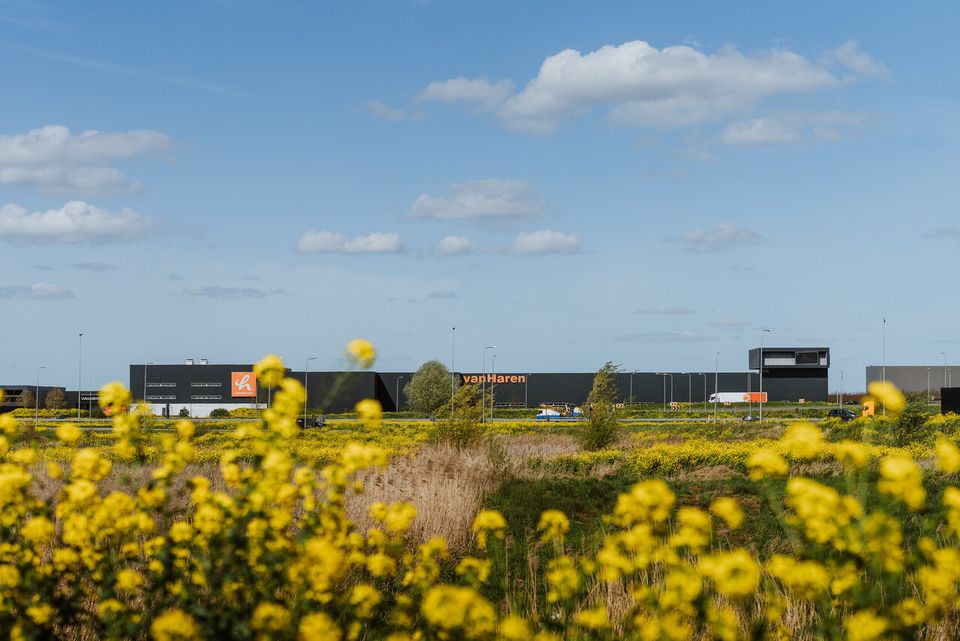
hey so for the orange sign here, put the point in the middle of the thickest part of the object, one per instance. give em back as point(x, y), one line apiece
point(243, 384)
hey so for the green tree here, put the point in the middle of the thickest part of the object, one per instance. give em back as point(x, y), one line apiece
point(27, 398)
point(462, 427)
point(55, 399)
point(602, 427)
point(429, 387)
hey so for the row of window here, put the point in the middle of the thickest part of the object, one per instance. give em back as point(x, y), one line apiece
point(195, 397)
point(204, 384)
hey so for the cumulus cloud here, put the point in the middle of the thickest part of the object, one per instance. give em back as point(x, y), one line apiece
point(229, 293)
point(454, 245)
point(759, 131)
point(849, 56)
point(545, 241)
point(95, 267)
point(721, 237)
point(75, 222)
point(328, 242)
point(496, 199)
point(664, 337)
point(670, 87)
point(665, 311)
point(55, 159)
point(38, 291)
point(479, 91)
point(380, 110)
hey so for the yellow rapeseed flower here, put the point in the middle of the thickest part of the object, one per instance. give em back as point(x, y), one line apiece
point(593, 618)
point(948, 456)
point(174, 625)
point(735, 574)
point(114, 398)
point(802, 441)
point(269, 370)
point(553, 525)
point(900, 477)
point(487, 523)
point(728, 510)
point(852, 454)
point(370, 412)
point(888, 394)
point(766, 463)
point(865, 625)
point(361, 352)
point(270, 617)
point(68, 432)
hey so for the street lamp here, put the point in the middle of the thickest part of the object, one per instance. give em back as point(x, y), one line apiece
point(79, 370)
point(145, 379)
point(453, 366)
point(399, 378)
point(36, 416)
point(306, 388)
point(762, 332)
point(526, 380)
point(840, 395)
point(631, 386)
point(928, 386)
point(716, 385)
point(483, 385)
point(944, 354)
point(883, 366)
point(704, 390)
point(689, 388)
point(493, 384)
point(664, 389)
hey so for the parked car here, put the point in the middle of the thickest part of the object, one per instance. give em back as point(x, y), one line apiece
point(843, 414)
point(312, 421)
point(750, 417)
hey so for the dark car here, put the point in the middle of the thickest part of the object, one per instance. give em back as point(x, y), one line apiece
point(750, 417)
point(312, 421)
point(843, 414)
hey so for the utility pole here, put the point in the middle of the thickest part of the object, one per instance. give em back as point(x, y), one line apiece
point(761, 372)
point(79, 371)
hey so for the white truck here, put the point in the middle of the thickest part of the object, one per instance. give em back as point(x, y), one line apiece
point(738, 397)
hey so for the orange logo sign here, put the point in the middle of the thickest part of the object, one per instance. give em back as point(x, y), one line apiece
point(243, 384)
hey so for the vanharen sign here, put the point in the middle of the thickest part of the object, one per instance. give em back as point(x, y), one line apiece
point(476, 379)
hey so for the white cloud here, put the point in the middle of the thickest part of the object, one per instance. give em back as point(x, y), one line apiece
point(664, 337)
point(95, 267)
point(38, 291)
point(378, 109)
point(228, 293)
point(848, 55)
point(328, 242)
point(759, 131)
point(670, 87)
point(55, 159)
point(721, 237)
point(497, 199)
point(75, 222)
point(545, 241)
point(454, 245)
point(479, 91)
point(443, 295)
point(665, 311)
point(730, 323)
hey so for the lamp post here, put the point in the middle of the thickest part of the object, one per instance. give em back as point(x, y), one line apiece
point(928, 386)
point(704, 390)
point(399, 378)
point(665, 374)
point(36, 399)
point(79, 370)
point(493, 383)
point(840, 395)
point(453, 365)
point(716, 385)
point(526, 380)
point(483, 385)
point(883, 359)
point(145, 379)
point(944, 354)
point(689, 388)
point(631, 385)
point(762, 332)
point(664, 389)
point(306, 387)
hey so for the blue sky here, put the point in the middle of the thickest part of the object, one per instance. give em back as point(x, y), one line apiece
point(574, 182)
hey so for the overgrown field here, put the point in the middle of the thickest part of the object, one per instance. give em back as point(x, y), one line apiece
point(373, 529)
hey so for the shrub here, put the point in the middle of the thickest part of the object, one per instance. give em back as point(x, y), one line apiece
point(428, 388)
point(219, 412)
point(602, 428)
point(462, 427)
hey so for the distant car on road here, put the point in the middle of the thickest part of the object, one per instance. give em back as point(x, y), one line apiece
point(750, 417)
point(312, 421)
point(843, 414)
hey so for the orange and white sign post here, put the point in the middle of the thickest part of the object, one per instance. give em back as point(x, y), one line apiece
point(243, 384)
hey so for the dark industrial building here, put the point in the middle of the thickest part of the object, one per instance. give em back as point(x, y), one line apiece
point(913, 378)
point(789, 374)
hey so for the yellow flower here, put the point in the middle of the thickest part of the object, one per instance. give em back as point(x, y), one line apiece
point(488, 522)
point(852, 454)
point(8, 425)
point(553, 525)
point(592, 618)
point(865, 626)
point(270, 370)
point(728, 510)
point(174, 625)
point(647, 501)
point(364, 598)
point(399, 517)
point(563, 579)
point(39, 530)
point(270, 617)
point(453, 608)
point(114, 398)
point(40, 614)
point(370, 412)
point(474, 570)
point(735, 574)
point(513, 628)
point(68, 432)
point(766, 463)
point(900, 477)
point(802, 441)
point(806, 580)
point(185, 429)
point(888, 394)
point(128, 580)
point(948, 456)
point(361, 352)
point(318, 627)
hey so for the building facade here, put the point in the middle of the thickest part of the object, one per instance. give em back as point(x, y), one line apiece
point(913, 378)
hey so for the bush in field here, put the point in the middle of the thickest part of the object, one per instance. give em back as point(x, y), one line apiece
point(220, 412)
point(55, 399)
point(463, 426)
point(428, 388)
point(602, 427)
